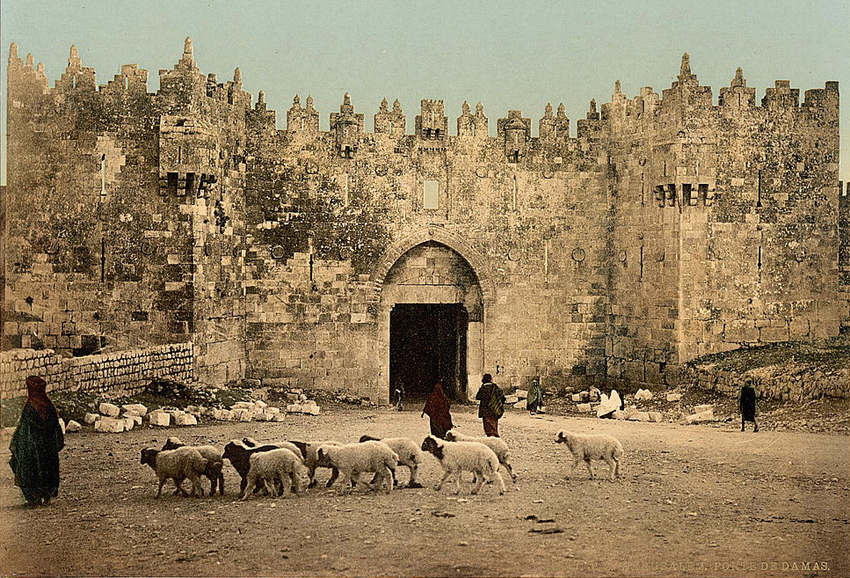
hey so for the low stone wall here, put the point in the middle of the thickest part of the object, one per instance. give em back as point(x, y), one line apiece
point(787, 381)
point(116, 373)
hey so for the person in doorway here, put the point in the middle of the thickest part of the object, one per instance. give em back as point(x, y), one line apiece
point(534, 400)
point(398, 393)
point(748, 402)
point(35, 446)
point(437, 408)
point(491, 406)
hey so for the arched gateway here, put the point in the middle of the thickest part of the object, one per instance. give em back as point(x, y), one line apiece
point(431, 316)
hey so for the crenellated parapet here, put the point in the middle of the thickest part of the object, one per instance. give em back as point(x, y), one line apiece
point(554, 128)
point(300, 119)
point(515, 131)
point(390, 122)
point(76, 76)
point(347, 128)
point(432, 122)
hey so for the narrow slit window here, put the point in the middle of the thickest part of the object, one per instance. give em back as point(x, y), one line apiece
point(102, 174)
point(431, 195)
point(172, 183)
point(686, 194)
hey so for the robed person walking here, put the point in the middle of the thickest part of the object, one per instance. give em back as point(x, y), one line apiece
point(35, 446)
point(437, 408)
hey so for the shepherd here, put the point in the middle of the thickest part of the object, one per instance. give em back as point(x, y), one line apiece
point(35, 447)
point(491, 406)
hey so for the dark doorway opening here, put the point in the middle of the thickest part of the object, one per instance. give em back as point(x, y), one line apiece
point(428, 345)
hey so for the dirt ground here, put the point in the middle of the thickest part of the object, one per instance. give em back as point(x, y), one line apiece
point(693, 501)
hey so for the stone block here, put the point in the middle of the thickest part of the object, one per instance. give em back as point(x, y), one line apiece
point(521, 393)
point(90, 418)
point(584, 407)
point(674, 396)
point(135, 409)
point(643, 394)
point(73, 426)
point(700, 417)
point(159, 418)
point(293, 408)
point(62, 424)
point(129, 423)
point(278, 417)
point(310, 408)
point(185, 419)
point(137, 419)
point(243, 415)
point(222, 414)
point(618, 414)
point(109, 410)
point(109, 425)
point(260, 405)
point(656, 416)
point(703, 408)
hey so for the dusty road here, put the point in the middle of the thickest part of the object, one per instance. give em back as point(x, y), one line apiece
point(694, 501)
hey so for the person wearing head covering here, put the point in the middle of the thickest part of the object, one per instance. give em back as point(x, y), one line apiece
point(491, 406)
point(437, 408)
point(534, 400)
point(748, 402)
point(35, 446)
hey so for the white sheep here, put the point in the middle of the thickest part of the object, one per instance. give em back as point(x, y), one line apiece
point(498, 446)
point(311, 459)
point(408, 453)
point(252, 443)
point(179, 464)
point(458, 457)
point(589, 447)
point(354, 459)
point(269, 468)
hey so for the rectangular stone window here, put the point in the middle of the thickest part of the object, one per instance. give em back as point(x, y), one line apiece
point(431, 195)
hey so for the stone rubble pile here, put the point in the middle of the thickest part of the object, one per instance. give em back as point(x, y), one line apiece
point(113, 419)
point(586, 402)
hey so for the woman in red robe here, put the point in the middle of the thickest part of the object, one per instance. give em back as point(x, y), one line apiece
point(437, 407)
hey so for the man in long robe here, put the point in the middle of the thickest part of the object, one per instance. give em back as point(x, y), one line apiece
point(35, 446)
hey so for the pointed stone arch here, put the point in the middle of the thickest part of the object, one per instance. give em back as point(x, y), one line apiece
point(439, 235)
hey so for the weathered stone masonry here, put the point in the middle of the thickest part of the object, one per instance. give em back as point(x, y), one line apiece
point(666, 228)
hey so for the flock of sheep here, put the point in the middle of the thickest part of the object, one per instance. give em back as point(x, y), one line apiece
point(279, 467)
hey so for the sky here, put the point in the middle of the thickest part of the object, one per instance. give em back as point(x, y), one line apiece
point(508, 55)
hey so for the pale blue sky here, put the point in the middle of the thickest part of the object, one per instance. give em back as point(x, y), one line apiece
point(508, 55)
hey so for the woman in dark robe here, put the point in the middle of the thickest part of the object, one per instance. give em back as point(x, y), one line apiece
point(748, 400)
point(437, 407)
point(35, 446)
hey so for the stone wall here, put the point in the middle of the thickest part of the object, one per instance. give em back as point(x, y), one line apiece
point(124, 372)
point(844, 255)
point(725, 222)
point(667, 227)
point(785, 382)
